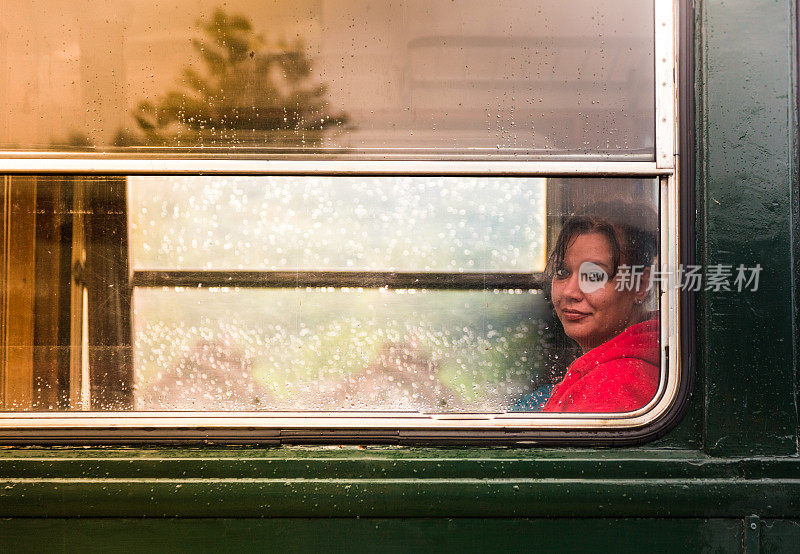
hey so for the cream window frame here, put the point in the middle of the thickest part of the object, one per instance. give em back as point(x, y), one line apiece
point(388, 426)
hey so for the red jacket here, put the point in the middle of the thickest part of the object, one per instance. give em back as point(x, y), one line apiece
point(620, 375)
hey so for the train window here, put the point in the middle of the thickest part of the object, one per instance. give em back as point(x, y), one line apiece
point(297, 220)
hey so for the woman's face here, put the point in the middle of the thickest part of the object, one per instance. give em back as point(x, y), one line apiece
point(593, 313)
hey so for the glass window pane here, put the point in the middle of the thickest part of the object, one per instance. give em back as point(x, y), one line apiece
point(410, 78)
point(224, 349)
point(338, 223)
point(86, 330)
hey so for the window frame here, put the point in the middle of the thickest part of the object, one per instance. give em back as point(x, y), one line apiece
point(667, 406)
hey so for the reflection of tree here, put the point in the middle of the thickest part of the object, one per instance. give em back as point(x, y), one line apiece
point(247, 93)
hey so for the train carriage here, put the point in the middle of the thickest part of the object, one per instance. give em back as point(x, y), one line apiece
point(296, 275)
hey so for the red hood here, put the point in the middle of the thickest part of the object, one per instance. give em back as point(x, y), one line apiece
point(620, 375)
point(638, 341)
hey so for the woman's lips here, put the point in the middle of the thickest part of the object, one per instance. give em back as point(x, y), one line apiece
point(574, 315)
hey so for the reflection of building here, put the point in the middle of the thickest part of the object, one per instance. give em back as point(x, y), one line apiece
point(104, 87)
point(529, 76)
point(411, 73)
point(4, 138)
point(64, 76)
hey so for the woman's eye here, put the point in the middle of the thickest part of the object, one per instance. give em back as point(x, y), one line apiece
point(561, 273)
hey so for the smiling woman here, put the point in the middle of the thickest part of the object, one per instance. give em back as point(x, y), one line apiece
point(604, 312)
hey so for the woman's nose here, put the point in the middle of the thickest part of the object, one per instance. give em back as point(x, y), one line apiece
point(572, 288)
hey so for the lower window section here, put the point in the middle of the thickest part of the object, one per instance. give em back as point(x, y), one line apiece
point(340, 349)
point(432, 295)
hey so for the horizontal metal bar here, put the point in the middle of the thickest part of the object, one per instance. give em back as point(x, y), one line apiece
point(208, 166)
point(225, 462)
point(339, 279)
point(372, 495)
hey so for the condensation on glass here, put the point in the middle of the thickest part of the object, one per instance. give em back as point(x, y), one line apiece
point(282, 293)
point(410, 78)
point(338, 223)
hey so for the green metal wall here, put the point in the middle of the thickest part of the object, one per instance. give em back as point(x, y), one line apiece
point(727, 479)
point(747, 203)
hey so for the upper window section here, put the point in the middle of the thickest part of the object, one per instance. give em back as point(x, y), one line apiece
point(462, 224)
point(357, 79)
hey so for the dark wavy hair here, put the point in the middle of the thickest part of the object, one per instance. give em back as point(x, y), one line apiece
point(631, 230)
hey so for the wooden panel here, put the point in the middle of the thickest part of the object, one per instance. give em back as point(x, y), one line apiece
point(107, 283)
point(77, 264)
point(19, 286)
point(51, 235)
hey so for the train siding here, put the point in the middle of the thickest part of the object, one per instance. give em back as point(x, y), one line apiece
point(746, 181)
point(393, 535)
point(401, 482)
point(727, 478)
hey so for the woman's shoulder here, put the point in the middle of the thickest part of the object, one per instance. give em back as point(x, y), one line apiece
point(630, 357)
point(639, 341)
point(620, 375)
point(633, 373)
point(619, 385)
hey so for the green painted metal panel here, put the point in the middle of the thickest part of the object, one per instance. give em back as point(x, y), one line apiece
point(391, 482)
point(780, 535)
point(688, 434)
point(382, 463)
point(746, 111)
point(372, 535)
point(400, 498)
